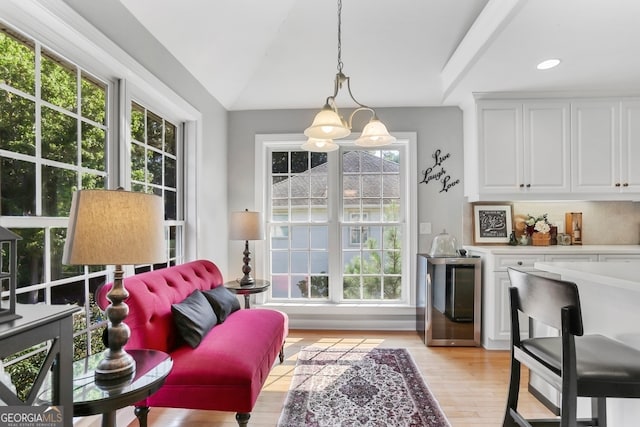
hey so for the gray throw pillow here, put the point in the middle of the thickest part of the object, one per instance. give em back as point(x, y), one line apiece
point(223, 302)
point(194, 318)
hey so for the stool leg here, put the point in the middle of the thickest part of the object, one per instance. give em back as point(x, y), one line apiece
point(514, 389)
point(599, 410)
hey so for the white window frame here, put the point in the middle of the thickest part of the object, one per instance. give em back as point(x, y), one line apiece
point(266, 142)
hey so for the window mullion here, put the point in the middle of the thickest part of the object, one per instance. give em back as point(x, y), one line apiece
point(334, 184)
point(38, 129)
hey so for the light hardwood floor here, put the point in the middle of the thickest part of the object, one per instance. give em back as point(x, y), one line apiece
point(469, 383)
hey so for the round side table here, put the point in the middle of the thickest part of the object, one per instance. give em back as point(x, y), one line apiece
point(255, 288)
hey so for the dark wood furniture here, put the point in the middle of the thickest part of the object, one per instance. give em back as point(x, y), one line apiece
point(90, 398)
point(576, 364)
point(41, 323)
point(257, 287)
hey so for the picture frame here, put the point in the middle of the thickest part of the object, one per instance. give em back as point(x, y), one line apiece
point(492, 223)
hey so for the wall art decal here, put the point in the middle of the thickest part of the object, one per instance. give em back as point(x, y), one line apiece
point(437, 173)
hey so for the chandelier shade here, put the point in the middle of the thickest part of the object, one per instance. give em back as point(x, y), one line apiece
point(328, 124)
point(320, 145)
point(375, 134)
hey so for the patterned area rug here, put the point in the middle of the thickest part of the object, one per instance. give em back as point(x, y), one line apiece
point(340, 387)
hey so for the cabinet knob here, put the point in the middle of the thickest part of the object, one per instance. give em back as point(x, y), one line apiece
point(528, 185)
point(519, 262)
point(521, 185)
point(626, 184)
point(617, 184)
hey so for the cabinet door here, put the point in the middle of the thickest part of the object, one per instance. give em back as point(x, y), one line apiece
point(500, 147)
point(570, 258)
point(595, 146)
point(619, 257)
point(502, 325)
point(630, 147)
point(546, 147)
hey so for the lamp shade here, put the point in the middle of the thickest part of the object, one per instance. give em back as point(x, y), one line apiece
point(327, 125)
point(246, 225)
point(115, 227)
point(375, 134)
point(320, 145)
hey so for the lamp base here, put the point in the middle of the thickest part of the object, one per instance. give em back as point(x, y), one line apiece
point(247, 280)
point(115, 366)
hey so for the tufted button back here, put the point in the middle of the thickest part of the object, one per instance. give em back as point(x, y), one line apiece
point(151, 295)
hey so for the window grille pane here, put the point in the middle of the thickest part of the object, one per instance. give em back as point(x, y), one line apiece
point(137, 122)
point(280, 162)
point(170, 205)
point(18, 187)
point(59, 270)
point(170, 172)
point(59, 136)
point(17, 62)
point(30, 256)
point(57, 190)
point(90, 181)
point(17, 118)
point(94, 99)
point(170, 138)
point(59, 85)
point(93, 147)
point(154, 130)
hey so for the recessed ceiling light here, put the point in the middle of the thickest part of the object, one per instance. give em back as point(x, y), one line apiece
point(549, 63)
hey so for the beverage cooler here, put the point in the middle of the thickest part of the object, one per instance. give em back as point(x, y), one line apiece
point(448, 300)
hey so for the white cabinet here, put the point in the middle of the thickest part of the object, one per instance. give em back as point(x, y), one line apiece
point(630, 146)
point(523, 147)
point(496, 322)
point(558, 148)
point(595, 141)
point(605, 146)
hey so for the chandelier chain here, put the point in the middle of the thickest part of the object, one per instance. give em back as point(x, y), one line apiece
point(340, 36)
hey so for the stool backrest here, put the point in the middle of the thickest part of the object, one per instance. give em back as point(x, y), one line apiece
point(543, 299)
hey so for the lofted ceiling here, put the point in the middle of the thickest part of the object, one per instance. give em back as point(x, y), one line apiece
point(256, 54)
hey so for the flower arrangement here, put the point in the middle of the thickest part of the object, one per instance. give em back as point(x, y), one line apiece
point(537, 223)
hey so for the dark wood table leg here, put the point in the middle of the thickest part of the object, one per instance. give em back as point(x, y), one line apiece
point(246, 300)
point(109, 419)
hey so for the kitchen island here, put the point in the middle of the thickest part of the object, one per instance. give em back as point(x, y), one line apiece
point(610, 300)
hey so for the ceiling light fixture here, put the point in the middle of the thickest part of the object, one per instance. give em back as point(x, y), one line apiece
point(549, 63)
point(329, 124)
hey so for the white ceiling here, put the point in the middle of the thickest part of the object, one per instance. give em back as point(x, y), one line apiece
point(257, 54)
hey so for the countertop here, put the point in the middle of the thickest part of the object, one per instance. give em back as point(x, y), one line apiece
point(571, 249)
point(624, 275)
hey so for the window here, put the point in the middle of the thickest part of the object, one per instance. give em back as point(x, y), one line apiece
point(57, 136)
point(336, 223)
point(53, 140)
point(155, 157)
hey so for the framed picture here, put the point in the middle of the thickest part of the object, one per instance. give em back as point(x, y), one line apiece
point(492, 224)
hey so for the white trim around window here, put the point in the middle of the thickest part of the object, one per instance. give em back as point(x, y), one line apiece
point(344, 315)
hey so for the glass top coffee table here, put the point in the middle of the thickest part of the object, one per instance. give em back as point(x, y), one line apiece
point(89, 398)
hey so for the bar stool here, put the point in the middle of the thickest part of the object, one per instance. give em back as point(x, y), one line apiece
point(575, 364)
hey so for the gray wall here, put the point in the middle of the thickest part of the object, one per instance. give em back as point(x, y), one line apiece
point(436, 128)
point(115, 21)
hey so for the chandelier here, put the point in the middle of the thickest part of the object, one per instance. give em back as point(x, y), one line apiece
point(329, 124)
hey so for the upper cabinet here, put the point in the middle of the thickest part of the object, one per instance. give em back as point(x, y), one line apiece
point(553, 149)
point(523, 147)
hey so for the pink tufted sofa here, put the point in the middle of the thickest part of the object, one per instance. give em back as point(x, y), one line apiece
point(227, 370)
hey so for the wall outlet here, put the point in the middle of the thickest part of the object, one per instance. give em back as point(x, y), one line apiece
point(425, 228)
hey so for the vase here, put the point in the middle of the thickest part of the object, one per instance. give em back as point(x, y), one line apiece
point(540, 239)
point(530, 230)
